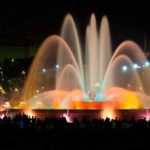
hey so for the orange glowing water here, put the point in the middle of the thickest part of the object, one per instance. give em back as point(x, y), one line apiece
point(115, 98)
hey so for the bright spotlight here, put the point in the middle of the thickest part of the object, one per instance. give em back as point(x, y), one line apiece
point(147, 63)
point(124, 68)
point(145, 115)
point(57, 66)
point(29, 112)
point(67, 117)
point(2, 116)
point(44, 70)
point(108, 112)
point(136, 66)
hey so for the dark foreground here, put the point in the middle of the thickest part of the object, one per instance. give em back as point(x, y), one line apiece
point(23, 132)
point(90, 114)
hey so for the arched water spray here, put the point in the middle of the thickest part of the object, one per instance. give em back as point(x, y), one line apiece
point(69, 79)
point(134, 52)
point(70, 35)
point(37, 77)
point(127, 78)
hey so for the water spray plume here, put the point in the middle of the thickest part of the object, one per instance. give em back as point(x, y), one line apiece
point(100, 77)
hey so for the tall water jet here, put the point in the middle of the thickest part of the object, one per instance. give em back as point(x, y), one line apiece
point(91, 53)
point(105, 48)
point(98, 52)
point(70, 35)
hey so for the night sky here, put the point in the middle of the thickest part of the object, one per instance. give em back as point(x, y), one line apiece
point(28, 22)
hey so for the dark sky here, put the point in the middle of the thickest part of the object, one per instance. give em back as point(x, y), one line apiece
point(29, 21)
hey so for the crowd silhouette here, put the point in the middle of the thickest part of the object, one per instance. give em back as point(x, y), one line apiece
point(26, 131)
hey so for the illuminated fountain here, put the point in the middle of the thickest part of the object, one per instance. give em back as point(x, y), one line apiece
point(87, 79)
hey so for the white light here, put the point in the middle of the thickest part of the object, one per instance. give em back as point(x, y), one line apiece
point(2, 116)
point(136, 66)
point(147, 63)
point(124, 68)
point(7, 103)
point(23, 72)
point(37, 91)
point(67, 118)
point(16, 90)
point(44, 70)
point(57, 66)
point(12, 60)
